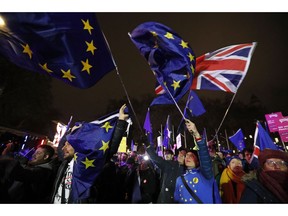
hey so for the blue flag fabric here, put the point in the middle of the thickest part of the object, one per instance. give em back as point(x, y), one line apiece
point(193, 108)
point(238, 140)
point(193, 105)
point(132, 145)
point(90, 142)
point(147, 123)
point(167, 140)
point(171, 59)
point(148, 128)
point(262, 138)
point(66, 46)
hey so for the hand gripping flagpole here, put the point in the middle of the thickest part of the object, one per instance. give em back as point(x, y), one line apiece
point(122, 83)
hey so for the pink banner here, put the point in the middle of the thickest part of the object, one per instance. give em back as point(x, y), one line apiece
point(273, 121)
point(284, 136)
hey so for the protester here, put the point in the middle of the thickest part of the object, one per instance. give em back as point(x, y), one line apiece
point(197, 185)
point(269, 183)
point(169, 170)
point(29, 181)
point(62, 189)
point(231, 185)
point(249, 163)
point(218, 162)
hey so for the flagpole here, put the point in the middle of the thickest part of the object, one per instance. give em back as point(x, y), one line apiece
point(226, 113)
point(283, 144)
point(185, 139)
point(228, 146)
point(216, 135)
point(167, 90)
point(122, 83)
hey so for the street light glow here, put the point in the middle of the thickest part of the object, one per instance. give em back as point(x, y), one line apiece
point(2, 22)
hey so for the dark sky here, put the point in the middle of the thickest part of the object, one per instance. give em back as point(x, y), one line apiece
point(266, 78)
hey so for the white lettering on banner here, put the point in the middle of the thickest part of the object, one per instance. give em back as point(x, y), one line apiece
point(273, 115)
point(283, 120)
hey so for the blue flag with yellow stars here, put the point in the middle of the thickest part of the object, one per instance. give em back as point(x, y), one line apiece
point(194, 106)
point(91, 143)
point(238, 140)
point(67, 46)
point(170, 57)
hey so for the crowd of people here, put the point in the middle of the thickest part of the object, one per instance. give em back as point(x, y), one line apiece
point(182, 176)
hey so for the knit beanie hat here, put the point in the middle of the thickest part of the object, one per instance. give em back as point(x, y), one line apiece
point(271, 153)
point(228, 159)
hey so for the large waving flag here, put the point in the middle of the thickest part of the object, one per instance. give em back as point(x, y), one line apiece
point(223, 69)
point(238, 140)
point(67, 46)
point(262, 140)
point(170, 57)
point(168, 140)
point(91, 143)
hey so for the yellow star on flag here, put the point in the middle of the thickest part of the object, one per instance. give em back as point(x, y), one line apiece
point(27, 50)
point(176, 84)
point(169, 35)
point(192, 68)
point(105, 146)
point(107, 126)
point(87, 26)
point(44, 67)
point(75, 157)
point(86, 66)
point(67, 74)
point(88, 163)
point(90, 47)
point(184, 44)
point(191, 57)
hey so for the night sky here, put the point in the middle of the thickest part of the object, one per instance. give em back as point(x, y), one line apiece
point(266, 77)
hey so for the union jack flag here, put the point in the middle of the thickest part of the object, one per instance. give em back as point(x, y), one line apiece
point(223, 69)
point(262, 140)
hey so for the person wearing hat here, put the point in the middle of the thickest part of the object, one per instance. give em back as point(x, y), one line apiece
point(231, 185)
point(198, 184)
point(269, 182)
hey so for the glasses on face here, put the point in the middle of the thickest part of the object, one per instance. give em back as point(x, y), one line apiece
point(281, 164)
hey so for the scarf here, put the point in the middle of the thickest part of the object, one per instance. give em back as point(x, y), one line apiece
point(276, 183)
point(228, 178)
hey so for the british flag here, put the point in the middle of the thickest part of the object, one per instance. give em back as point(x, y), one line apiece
point(262, 140)
point(223, 69)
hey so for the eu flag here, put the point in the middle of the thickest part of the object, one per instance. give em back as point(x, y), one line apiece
point(193, 105)
point(170, 57)
point(238, 140)
point(67, 46)
point(91, 143)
